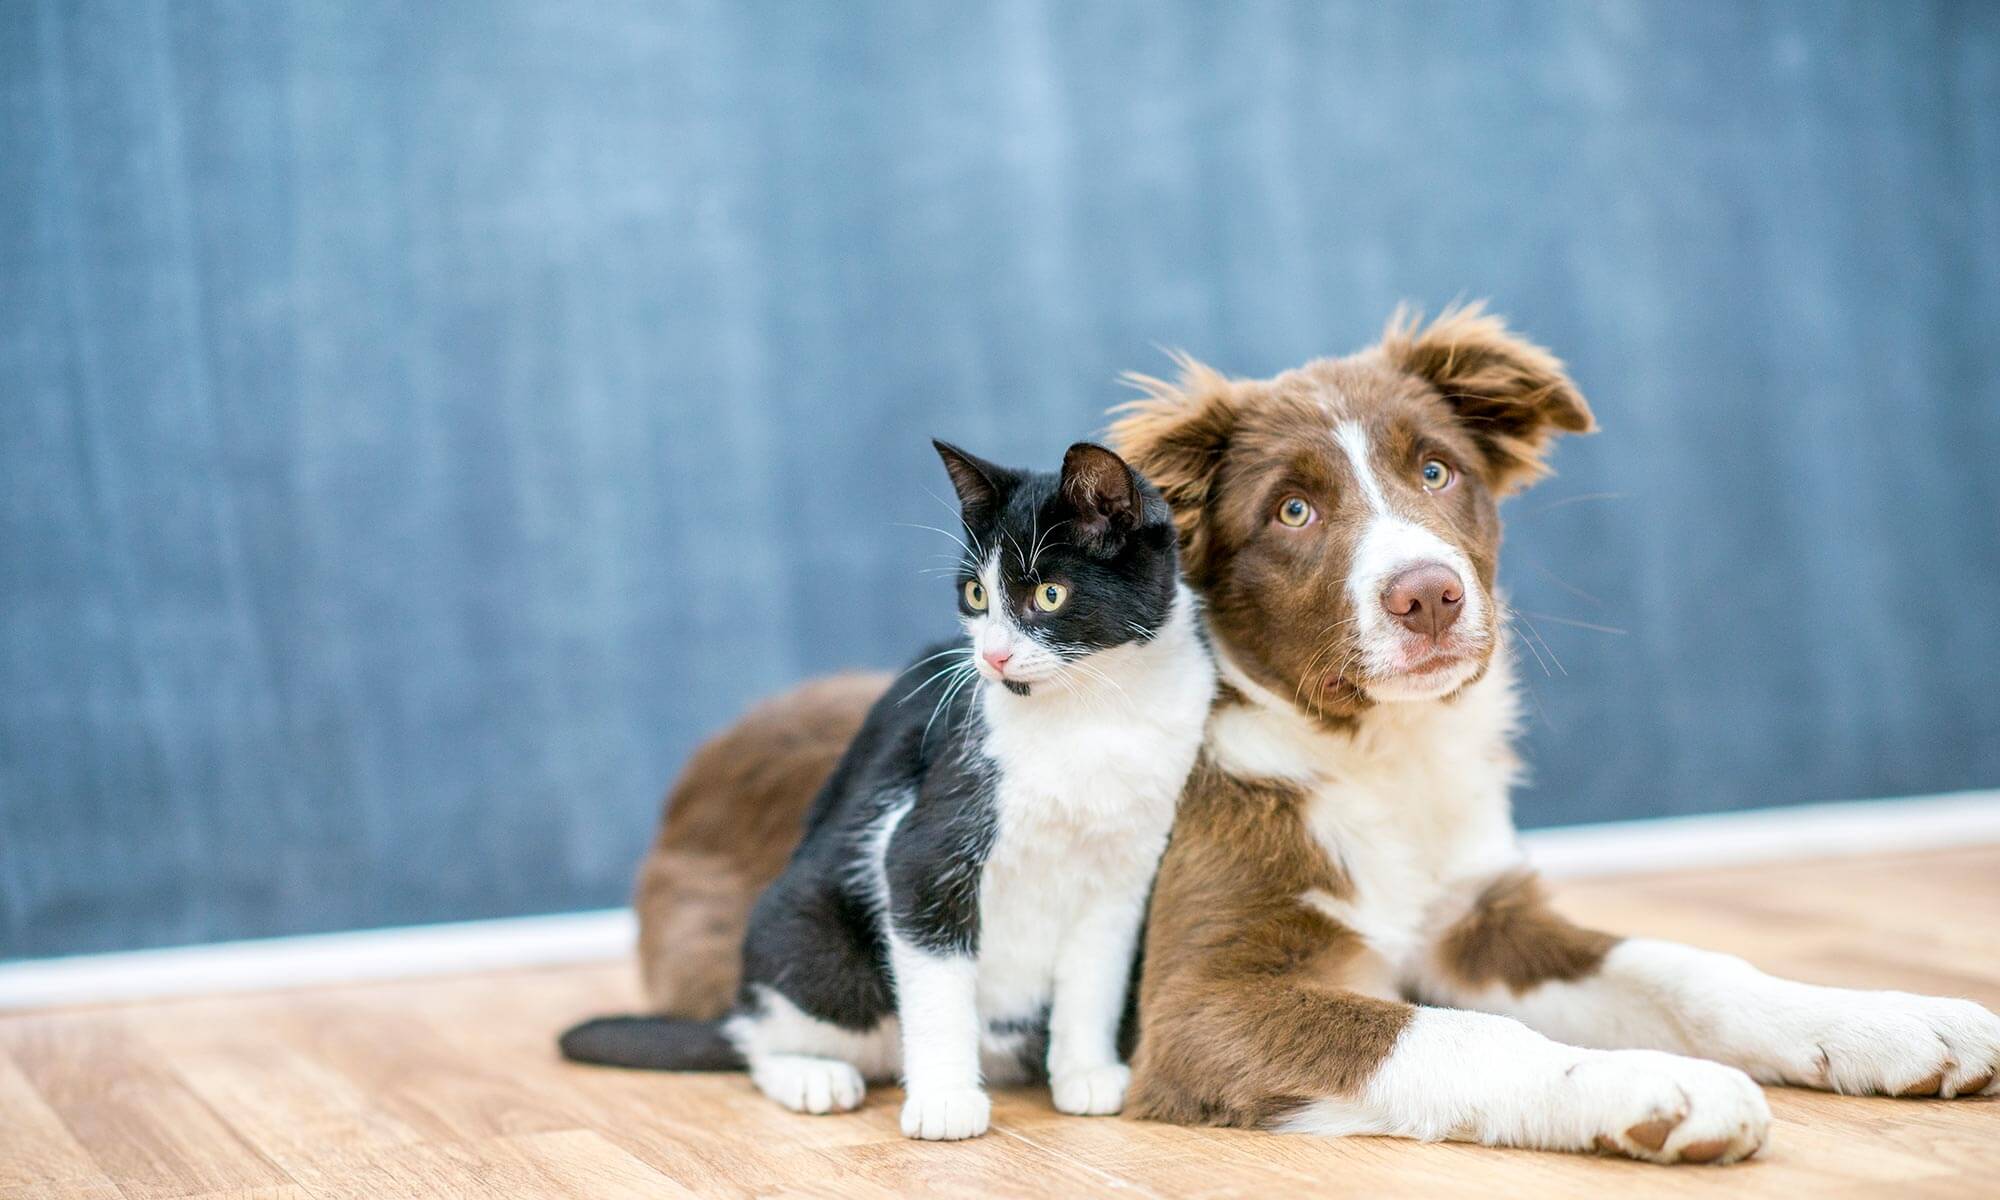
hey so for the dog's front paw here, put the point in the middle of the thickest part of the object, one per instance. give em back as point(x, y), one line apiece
point(1890, 1044)
point(1091, 1091)
point(1667, 1109)
point(946, 1115)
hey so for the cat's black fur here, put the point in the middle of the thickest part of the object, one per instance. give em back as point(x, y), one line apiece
point(817, 936)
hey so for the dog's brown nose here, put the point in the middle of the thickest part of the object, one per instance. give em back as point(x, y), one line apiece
point(1425, 598)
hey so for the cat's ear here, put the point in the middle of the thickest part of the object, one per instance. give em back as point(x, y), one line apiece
point(1105, 496)
point(981, 486)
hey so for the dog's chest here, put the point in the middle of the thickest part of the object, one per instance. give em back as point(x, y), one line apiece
point(1410, 844)
point(1411, 811)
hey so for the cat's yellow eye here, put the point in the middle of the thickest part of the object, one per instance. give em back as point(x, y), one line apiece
point(1437, 476)
point(1050, 596)
point(975, 595)
point(1295, 512)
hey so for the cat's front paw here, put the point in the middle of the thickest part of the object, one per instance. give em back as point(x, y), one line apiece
point(1891, 1044)
point(946, 1115)
point(807, 1084)
point(1091, 1091)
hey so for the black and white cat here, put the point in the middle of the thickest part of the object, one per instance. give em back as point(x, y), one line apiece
point(966, 903)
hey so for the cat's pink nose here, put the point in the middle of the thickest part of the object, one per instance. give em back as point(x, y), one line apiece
point(997, 659)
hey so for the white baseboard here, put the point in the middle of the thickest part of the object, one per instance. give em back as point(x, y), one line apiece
point(1620, 847)
point(264, 964)
point(1801, 831)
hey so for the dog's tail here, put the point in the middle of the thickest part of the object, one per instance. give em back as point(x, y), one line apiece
point(652, 1044)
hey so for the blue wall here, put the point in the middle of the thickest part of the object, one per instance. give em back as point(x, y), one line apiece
point(420, 423)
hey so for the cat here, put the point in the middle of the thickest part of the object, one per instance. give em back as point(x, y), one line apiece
point(966, 903)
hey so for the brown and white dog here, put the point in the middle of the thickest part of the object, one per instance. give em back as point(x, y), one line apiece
point(1344, 936)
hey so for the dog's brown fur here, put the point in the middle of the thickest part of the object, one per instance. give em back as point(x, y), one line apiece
point(1512, 936)
point(732, 821)
point(1237, 970)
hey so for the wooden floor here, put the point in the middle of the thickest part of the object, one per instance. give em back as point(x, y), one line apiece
point(452, 1088)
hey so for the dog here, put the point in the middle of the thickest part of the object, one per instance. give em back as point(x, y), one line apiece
point(1345, 937)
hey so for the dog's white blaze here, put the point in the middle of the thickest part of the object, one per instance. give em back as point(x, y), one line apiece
point(1389, 543)
point(1354, 441)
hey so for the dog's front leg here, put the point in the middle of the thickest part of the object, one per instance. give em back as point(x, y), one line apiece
point(1511, 954)
point(1472, 1076)
point(1300, 1059)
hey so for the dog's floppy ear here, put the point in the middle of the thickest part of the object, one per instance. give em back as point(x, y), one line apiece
point(1512, 395)
point(1175, 436)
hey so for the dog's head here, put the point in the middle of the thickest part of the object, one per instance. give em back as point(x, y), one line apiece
point(1341, 519)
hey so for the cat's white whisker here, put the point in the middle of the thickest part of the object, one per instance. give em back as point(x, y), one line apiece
point(965, 666)
point(944, 701)
point(1036, 557)
point(956, 515)
point(934, 529)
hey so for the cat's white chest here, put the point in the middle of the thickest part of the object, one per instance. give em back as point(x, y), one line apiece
point(1036, 891)
point(1075, 830)
point(1087, 786)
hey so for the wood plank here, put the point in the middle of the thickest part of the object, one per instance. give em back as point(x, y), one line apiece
point(293, 1108)
point(37, 1151)
point(579, 1164)
point(405, 1064)
point(143, 1128)
point(63, 1189)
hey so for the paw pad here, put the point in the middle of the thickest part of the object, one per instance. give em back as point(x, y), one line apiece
point(1653, 1134)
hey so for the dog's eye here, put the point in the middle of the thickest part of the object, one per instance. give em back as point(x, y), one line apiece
point(1295, 512)
point(1050, 596)
point(1437, 476)
point(975, 595)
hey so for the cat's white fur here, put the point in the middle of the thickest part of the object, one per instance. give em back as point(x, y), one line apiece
point(1090, 766)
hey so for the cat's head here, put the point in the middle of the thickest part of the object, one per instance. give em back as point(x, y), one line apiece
point(1059, 566)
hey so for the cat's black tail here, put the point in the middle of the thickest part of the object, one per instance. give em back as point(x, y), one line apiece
point(652, 1043)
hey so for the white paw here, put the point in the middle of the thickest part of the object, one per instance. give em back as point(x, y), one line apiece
point(1665, 1108)
point(807, 1084)
point(947, 1115)
point(1887, 1043)
point(1091, 1091)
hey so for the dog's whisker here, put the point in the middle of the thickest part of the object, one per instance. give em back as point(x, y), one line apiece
point(1566, 501)
point(1545, 645)
point(1565, 584)
point(1530, 645)
point(1573, 621)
